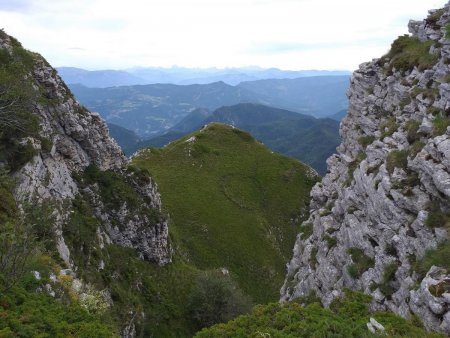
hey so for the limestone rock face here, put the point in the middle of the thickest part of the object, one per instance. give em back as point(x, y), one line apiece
point(390, 173)
point(76, 139)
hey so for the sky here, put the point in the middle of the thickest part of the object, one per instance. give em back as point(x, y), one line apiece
point(287, 34)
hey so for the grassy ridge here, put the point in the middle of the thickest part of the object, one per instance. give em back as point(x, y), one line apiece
point(232, 204)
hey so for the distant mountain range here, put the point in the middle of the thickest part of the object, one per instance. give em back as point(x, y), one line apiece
point(151, 110)
point(182, 76)
point(296, 135)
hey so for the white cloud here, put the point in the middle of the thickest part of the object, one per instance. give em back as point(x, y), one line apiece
point(290, 34)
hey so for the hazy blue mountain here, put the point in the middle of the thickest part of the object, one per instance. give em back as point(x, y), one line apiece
point(127, 139)
point(232, 76)
point(151, 110)
point(180, 75)
point(192, 121)
point(319, 96)
point(339, 115)
point(98, 78)
point(300, 136)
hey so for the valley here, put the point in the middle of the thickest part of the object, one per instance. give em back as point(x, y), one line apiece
point(234, 202)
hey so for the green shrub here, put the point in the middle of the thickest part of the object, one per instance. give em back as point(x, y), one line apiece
point(346, 317)
point(434, 111)
point(396, 159)
point(386, 286)
point(331, 241)
point(447, 31)
point(30, 314)
point(216, 298)
point(405, 102)
point(388, 127)
point(366, 140)
point(440, 256)
point(361, 262)
point(412, 127)
point(416, 148)
point(440, 124)
point(434, 17)
point(306, 230)
point(408, 52)
point(436, 217)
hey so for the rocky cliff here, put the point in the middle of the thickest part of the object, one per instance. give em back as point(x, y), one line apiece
point(70, 139)
point(379, 219)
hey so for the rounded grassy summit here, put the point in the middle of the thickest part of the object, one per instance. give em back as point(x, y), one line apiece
point(232, 203)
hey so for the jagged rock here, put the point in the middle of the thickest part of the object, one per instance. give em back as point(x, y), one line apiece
point(78, 139)
point(374, 326)
point(378, 192)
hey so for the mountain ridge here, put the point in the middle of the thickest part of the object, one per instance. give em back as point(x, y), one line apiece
point(379, 218)
point(179, 75)
point(299, 136)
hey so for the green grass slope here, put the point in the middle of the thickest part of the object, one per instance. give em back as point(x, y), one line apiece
point(232, 204)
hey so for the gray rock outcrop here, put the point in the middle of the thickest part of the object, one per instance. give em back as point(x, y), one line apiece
point(384, 201)
point(75, 139)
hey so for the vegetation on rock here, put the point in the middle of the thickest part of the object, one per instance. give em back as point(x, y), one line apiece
point(346, 317)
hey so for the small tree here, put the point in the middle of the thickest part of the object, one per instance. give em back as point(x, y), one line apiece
point(17, 247)
point(216, 298)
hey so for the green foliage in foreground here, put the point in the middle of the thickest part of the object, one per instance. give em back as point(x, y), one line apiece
point(232, 204)
point(26, 313)
point(347, 317)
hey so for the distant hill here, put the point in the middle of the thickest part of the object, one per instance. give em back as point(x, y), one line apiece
point(127, 139)
point(339, 115)
point(180, 75)
point(98, 78)
point(319, 96)
point(151, 110)
point(299, 136)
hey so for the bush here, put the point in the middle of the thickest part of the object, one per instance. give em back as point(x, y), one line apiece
point(386, 286)
point(440, 256)
point(412, 126)
point(331, 241)
point(29, 314)
point(416, 148)
point(440, 124)
point(436, 217)
point(408, 52)
point(396, 159)
point(447, 31)
point(216, 298)
point(361, 262)
point(366, 140)
point(388, 127)
point(306, 230)
point(346, 317)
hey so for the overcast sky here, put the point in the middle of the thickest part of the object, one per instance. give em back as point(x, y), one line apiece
point(288, 34)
